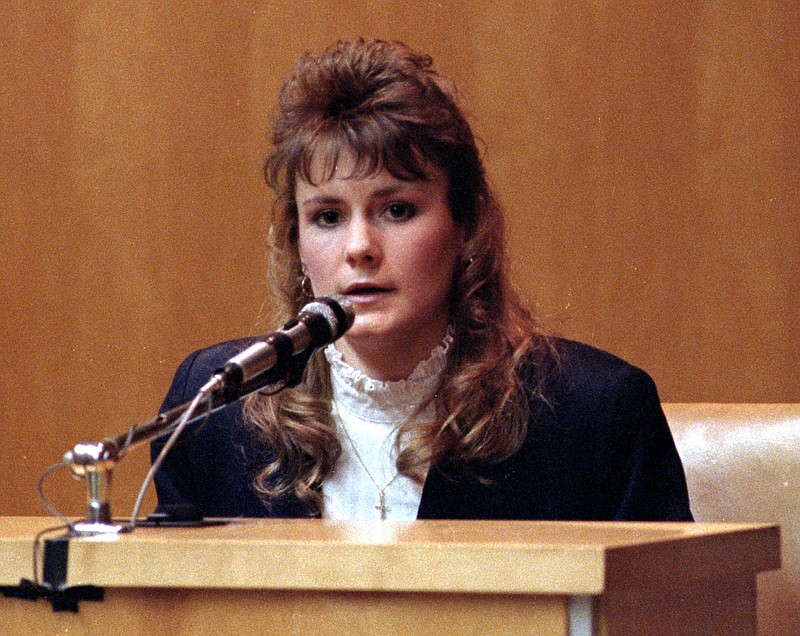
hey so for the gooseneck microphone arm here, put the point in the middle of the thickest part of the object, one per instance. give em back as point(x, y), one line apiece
point(273, 360)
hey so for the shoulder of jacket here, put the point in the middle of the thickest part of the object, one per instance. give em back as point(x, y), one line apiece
point(583, 372)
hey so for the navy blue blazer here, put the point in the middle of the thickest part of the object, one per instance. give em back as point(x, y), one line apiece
point(598, 450)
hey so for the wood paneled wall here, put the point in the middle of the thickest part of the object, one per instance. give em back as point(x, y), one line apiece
point(647, 154)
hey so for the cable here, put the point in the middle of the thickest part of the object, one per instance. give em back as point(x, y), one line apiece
point(204, 395)
point(50, 507)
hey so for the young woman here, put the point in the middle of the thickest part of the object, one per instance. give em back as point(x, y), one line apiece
point(445, 399)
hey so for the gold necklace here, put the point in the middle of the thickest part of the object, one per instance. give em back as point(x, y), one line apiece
point(382, 507)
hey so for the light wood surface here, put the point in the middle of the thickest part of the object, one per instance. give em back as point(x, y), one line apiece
point(458, 556)
point(208, 612)
point(467, 572)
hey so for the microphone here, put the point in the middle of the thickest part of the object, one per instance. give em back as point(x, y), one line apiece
point(319, 322)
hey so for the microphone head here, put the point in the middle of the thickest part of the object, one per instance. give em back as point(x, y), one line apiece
point(337, 312)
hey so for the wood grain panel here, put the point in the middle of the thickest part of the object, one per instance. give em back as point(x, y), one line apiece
point(647, 155)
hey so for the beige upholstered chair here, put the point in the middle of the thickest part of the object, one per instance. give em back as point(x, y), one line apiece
point(742, 463)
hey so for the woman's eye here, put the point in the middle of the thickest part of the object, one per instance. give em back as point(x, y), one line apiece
point(400, 211)
point(326, 218)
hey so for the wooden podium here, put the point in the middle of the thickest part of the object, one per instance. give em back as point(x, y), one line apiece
point(424, 577)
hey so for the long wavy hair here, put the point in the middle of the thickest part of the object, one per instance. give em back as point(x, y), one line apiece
point(384, 103)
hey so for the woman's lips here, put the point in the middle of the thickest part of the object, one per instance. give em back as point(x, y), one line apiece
point(366, 293)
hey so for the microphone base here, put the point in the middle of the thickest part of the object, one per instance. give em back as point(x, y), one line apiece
point(91, 529)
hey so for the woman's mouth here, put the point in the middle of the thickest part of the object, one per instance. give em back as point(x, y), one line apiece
point(361, 293)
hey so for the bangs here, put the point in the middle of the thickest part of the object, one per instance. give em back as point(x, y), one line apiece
point(369, 145)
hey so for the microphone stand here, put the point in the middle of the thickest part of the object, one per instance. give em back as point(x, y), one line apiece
point(270, 362)
point(95, 461)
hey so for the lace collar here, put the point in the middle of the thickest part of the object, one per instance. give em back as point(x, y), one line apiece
point(380, 401)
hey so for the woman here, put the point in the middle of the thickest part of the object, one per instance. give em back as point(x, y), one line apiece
point(445, 399)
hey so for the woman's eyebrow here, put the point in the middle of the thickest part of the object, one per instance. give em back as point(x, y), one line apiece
point(319, 200)
point(387, 191)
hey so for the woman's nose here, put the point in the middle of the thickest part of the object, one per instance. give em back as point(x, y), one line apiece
point(363, 243)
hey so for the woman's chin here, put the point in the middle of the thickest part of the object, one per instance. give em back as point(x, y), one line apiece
point(364, 332)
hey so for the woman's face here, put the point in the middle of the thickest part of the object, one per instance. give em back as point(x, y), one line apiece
point(391, 247)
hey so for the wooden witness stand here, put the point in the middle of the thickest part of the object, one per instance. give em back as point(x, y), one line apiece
point(426, 577)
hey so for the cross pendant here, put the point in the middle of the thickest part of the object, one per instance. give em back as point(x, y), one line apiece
point(382, 505)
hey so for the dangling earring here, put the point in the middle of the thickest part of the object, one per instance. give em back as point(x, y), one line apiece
point(305, 283)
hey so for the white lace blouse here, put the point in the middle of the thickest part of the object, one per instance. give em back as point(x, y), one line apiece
point(365, 484)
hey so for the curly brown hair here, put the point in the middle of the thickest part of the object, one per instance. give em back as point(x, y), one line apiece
point(383, 103)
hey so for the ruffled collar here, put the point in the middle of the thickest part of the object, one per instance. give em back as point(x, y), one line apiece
point(380, 401)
